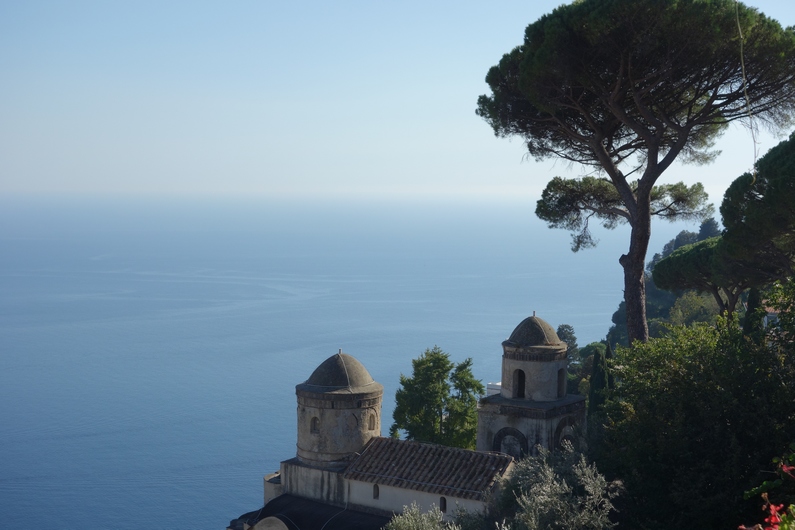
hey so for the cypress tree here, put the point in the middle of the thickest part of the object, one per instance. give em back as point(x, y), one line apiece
point(596, 395)
point(611, 382)
point(752, 323)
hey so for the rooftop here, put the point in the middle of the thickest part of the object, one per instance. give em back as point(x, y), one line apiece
point(429, 468)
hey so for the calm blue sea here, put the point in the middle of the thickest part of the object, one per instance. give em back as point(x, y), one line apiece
point(150, 348)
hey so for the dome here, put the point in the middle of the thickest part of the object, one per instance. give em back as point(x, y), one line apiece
point(340, 372)
point(534, 332)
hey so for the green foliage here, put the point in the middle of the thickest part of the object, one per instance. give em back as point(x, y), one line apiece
point(753, 325)
point(601, 379)
point(692, 307)
point(571, 204)
point(685, 237)
point(565, 333)
point(706, 267)
point(591, 349)
point(778, 495)
point(438, 403)
point(627, 87)
point(658, 306)
point(780, 489)
point(556, 489)
point(660, 302)
point(758, 245)
point(413, 518)
point(781, 298)
point(571, 79)
point(611, 378)
point(759, 215)
point(694, 416)
point(580, 368)
point(708, 229)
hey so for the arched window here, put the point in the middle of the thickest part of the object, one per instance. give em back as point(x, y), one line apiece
point(375, 491)
point(562, 383)
point(443, 504)
point(314, 425)
point(371, 422)
point(518, 384)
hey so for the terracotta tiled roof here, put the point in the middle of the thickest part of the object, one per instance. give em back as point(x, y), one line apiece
point(297, 513)
point(429, 467)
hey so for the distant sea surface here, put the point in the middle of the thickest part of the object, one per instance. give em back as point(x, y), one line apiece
point(150, 348)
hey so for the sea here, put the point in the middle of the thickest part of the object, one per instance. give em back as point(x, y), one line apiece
point(150, 346)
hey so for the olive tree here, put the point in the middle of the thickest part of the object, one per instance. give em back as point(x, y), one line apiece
point(626, 87)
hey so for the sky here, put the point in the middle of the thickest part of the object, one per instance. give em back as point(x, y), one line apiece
point(272, 99)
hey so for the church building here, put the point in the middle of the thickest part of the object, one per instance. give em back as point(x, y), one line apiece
point(345, 475)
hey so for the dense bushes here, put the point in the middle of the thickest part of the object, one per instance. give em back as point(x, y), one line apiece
point(695, 415)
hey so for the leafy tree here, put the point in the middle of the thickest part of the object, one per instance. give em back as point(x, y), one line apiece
point(598, 383)
point(589, 350)
point(778, 495)
point(693, 307)
point(658, 306)
point(413, 518)
point(565, 333)
point(438, 403)
point(611, 379)
point(571, 204)
point(694, 416)
point(685, 237)
point(705, 267)
point(759, 215)
point(708, 229)
point(582, 366)
point(758, 245)
point(782, 298)
point(753, 326)
point(628, 86)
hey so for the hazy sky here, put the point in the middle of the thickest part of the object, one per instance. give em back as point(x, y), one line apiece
point(270, 98)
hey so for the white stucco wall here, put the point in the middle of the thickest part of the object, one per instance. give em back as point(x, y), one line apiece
point(391, 499)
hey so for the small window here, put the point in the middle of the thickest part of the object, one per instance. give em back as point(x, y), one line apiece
point(375, 491)
point(371, 422)
point(314, 426)
point(443, 504)
point(518, 384)
point(562, 383)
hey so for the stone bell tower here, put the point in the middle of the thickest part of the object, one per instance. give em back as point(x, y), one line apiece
point(339, 411)
point(532, 407)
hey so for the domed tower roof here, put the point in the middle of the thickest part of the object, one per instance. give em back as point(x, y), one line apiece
point(340, 373)
point(534, 332)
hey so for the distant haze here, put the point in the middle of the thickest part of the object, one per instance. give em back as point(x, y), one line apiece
point(274, 99)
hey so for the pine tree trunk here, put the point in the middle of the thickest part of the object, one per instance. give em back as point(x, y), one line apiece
point(633, 263)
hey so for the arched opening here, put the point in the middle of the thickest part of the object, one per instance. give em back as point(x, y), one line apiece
point(562, 383)
point(443, 504)
point(518, 384)
point(376, 493)
point(314, 425)
point(510, 441)
point(565, 431)
point(371, 422)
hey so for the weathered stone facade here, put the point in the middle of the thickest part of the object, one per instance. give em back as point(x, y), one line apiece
point(339, 411)
point(532, 407)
